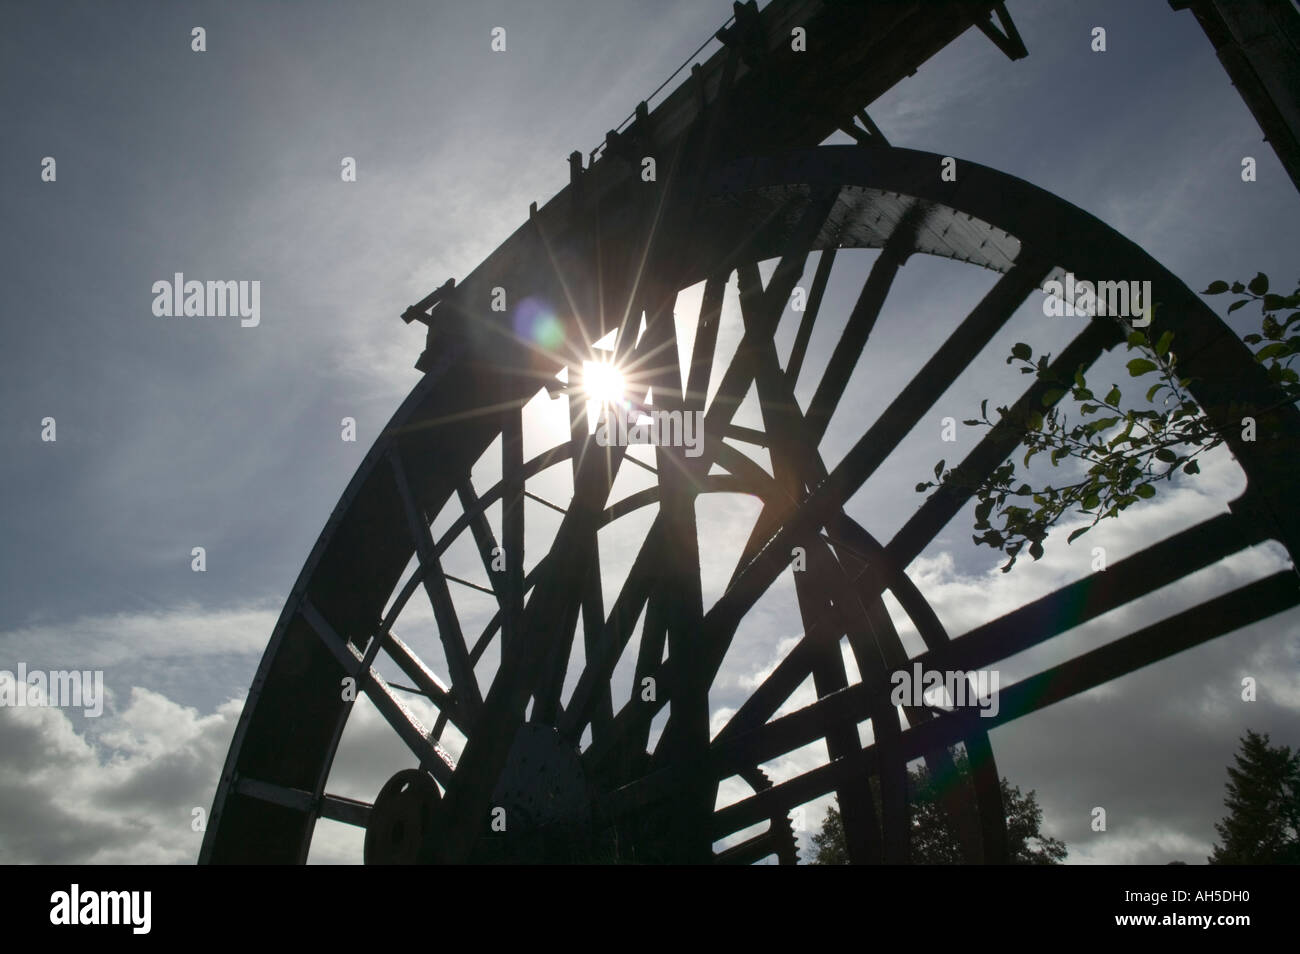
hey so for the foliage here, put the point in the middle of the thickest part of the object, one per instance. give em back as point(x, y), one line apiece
point(1263, 801)
point(830, 846)
point(933, 840)
point(1122, 450)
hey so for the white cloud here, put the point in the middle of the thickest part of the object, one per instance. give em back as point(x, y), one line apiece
point(123, 791)
point(123, 796)
point(110, 639)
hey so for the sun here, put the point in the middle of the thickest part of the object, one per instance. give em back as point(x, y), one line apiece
point(602, 383)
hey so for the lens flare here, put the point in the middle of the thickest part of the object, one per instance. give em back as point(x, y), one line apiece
point(602, 383)
point(535, 321)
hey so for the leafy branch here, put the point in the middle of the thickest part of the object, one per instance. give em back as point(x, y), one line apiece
point(1122, 451)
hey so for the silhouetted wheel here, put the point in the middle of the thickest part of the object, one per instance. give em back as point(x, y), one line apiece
point(549, 739)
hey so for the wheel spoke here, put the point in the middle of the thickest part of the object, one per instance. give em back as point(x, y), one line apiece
point(983, 831)
point(736, 380)
point(349, 811)
point(800, 348)
point(791, 466)
point(796, 464)
point(614, 635)
point(481, 530)
point(856, 331)
point(463, 682)
point(512, 525)
point(550, 618)
point(431, 755)
point(426, 682)
point(870, 451)
point(706, 341)
point(1242, 607)
point(678, 593)
point(1145, 572)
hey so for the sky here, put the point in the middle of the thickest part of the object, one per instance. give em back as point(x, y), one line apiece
point(174, 434)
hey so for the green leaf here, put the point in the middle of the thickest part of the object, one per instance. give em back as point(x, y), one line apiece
point(1137, 339)
point(984, 408)
point(1166, 455)
point(1113, 396)
point(1076, 534)
point(1052, 396)
point(1237, 304)
point(922, 488)
point(1277, 349)
point(1121, 437)
point(1216, 288)
point(1151, 391)
point(1259, 284)
point(1140, 366)
point(1162, 346)
point(1035, 421)
point(1088, 408)
point(1274, 302)
point(1238, 288)
point(972, 423)
point(1022, 351)
point(1145, 491)
point(1035, 550)
point(1191, 467)
point(938, 469)
point(1091, 501)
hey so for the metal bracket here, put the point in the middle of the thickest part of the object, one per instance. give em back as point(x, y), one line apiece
point(868, 133)
point(420, 311)
point(746, 34)
point(1008, 38)
point(634, 142)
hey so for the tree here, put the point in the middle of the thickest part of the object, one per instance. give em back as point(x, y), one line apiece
point(1263, 801)
point(1120, 451)
point(830, 847)
point(933, 841)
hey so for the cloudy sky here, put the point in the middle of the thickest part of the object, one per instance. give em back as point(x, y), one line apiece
point(173, 434)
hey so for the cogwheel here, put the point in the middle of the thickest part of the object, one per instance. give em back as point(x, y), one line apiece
point(785, 844)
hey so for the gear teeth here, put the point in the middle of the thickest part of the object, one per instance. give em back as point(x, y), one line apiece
point(787, 845)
